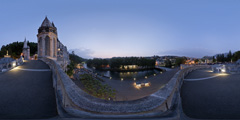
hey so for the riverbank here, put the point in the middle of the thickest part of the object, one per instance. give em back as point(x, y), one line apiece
point(129, 70)
point(125, 89)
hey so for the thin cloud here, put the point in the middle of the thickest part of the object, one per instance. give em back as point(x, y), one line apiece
point(189, 52)
point(82, 52)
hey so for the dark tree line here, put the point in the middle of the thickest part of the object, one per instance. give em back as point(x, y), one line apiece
point(118, 62)
point(222, 58)
point(229, 57)
point(98, 63)
point(236, 56)
point(15, 49)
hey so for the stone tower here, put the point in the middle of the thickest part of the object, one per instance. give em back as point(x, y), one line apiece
point(26, 50)
point(47, 40)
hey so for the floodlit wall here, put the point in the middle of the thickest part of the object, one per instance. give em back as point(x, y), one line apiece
point(9, 65)
point(79, 103)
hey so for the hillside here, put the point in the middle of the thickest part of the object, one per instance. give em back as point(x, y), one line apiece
point(15, 49)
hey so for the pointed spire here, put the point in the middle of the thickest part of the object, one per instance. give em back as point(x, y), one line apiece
point(53, 24)
point(46, 23)
point(25, 43)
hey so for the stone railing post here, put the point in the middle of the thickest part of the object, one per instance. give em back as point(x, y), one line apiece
point(1, 67)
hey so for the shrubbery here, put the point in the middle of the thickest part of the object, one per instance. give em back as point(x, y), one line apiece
point(96, 88)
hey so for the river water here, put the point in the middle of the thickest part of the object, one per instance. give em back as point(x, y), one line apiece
point(126, 75)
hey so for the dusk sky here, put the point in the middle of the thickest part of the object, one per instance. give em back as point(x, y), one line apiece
point(108, 28)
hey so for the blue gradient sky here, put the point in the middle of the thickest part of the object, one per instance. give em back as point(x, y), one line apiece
point(107, 28)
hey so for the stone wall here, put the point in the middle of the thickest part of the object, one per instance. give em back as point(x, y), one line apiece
point(9, 65)
point(79, 103)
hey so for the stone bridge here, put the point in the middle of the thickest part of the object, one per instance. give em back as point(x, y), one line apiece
point(41, 89)
point(26, 92)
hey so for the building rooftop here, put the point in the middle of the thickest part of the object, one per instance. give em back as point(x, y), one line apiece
point(46, 23)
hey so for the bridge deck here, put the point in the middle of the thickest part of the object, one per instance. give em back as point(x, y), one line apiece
point(212, 98)
point(26, 93)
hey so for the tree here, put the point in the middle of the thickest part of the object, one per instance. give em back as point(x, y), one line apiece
point(221, 58)
point(236, 56)
point(15, 49)
point(70, 69)
point(180, 60)
point(196, 61)
point(214, 60)
point(75, 58)
point(168, 63)
point(229, 56)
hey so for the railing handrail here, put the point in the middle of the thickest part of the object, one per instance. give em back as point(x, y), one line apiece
point(13, 63)
point(73, 97)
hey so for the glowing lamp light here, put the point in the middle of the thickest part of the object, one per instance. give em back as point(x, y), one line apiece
point(134, 78)
point(134, 83)
point(147, 84)
point(154, 74)
point(137, 86)
point(223, 70)
point(110, 77)
point(121, 79)
point(160, 72)
point(145, 77)
point(14, 64)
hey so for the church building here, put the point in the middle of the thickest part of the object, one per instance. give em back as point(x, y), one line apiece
point(49, 45)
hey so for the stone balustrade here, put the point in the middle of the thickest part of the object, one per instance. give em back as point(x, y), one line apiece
point(79, 103)
point(9, 65)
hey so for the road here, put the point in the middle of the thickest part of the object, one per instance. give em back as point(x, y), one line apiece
point(212, 98)
point(26, 92)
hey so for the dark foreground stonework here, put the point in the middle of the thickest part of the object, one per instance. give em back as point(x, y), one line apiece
point(215, 98)
point(27, 94)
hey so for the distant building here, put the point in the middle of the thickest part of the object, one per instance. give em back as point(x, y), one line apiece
point(49, 45)
point(190, 61)
point(26, 50)
point(162, 60)
point(208, 59)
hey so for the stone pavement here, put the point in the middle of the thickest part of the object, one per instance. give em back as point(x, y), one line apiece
point(126, 90)
point(214, 98)
point(27, 93)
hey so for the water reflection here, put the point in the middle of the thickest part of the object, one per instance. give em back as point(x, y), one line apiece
point(128, 75)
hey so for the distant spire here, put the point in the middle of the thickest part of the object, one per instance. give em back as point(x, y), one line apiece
point(25, 43)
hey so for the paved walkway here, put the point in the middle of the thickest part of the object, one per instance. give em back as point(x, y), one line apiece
point(213, 98)
point(27, 92)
